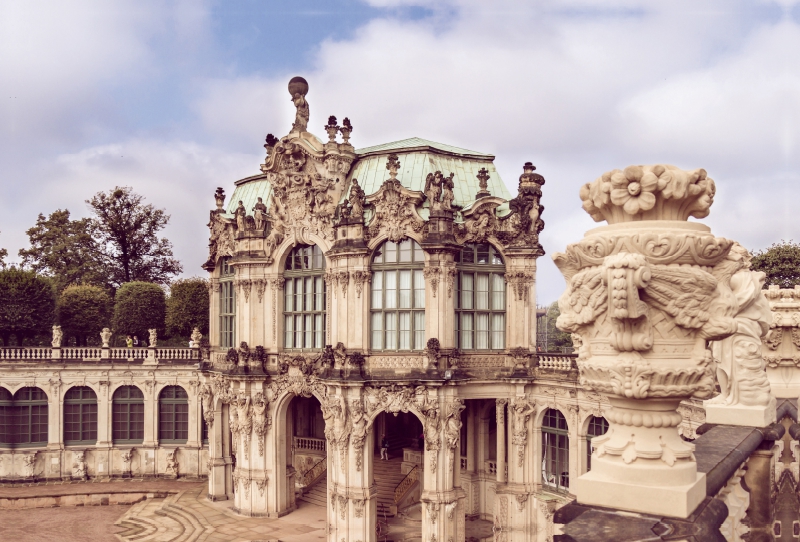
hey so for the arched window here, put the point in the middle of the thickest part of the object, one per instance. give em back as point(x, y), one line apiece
point(481, 301)
point(80, 416)
point(173, 415)
point(597, 426)
point(128, 415)
point(304, 298)
point(555, 451)
point(227, 305)
point(8, 422)
point(398, 297)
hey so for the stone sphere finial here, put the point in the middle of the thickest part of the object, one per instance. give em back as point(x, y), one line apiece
point(298, 85)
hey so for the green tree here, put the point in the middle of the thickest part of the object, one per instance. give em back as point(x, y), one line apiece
point(64, 250)
point(781, 263)
point(138, 307)
point(549, 337)
point(27, 305)
point(83, 311)
point(187, 307)
point(128, 244)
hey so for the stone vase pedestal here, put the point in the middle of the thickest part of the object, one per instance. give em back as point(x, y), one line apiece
point(751, 416)
point(645, 294)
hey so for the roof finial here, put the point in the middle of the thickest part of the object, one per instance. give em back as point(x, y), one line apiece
point(483, 178)
point(298, 88)
point(393, 164)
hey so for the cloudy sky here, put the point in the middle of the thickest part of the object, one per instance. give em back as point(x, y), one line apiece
point(175, 99)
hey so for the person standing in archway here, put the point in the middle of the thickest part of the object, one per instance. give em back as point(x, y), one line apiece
point(384, 447)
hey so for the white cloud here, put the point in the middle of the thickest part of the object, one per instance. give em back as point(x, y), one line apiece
point(576, 87)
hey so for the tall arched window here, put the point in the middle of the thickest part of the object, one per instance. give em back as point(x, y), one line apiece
point(398, 297)
point(8, 421)
point(128, 415)
point(227, 305)
point(173, 415)
point(304, 298)
point(597, 426)
point(80, 416)
point(481, 301)
point(555, 450)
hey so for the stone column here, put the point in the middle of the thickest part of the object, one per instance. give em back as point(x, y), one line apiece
point(472, 437)
point(501, 440)
point(644, 295)
point(213, 303)
point(218, 453)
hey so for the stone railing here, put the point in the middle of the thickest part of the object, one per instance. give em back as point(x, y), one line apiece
point(96, 353)
point(310, 477)
point(26, 353)
point(405, 484)
point(309, 443)
point(558, 362)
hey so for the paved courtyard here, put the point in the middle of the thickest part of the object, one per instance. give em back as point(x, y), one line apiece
point(174, 511)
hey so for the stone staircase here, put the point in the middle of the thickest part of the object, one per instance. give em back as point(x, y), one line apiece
point(161, 519)
point(387, 476)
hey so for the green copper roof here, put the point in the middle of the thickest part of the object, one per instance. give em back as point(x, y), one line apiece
point(248, 190)
point(418, 144)
point(418, 157)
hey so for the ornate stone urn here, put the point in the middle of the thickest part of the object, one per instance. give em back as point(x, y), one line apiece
point(645, 294)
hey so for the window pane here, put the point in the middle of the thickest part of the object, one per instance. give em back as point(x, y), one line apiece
point(419, 330)
point(319, 330)
point(419, 289)
point(466, 290)
point(319, 297)
point(289, 331)
point(482, 331)
point(308, 290)
point(498, 331)
point(498, 292)
point(298, 331)
point(466, 331)
point(391, 330)
point(468, 254)
point(482, 254)
point(405, 289)
point(405, 250)
point(390, 252)
point(288, 293)
point(482, 291)
point(419, 255)
point(307, 331)
point(405, 331)
point(391, 289)
point(377, 330)
point(377, 290)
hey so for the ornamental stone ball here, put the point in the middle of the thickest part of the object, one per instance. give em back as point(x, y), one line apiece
point(298, 85)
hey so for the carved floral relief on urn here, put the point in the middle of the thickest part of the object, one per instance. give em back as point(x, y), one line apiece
point(645, 294)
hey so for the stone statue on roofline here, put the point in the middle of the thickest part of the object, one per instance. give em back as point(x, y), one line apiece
point(259, 214)
point(298, 88)
point(357, 199)
point(241, 216)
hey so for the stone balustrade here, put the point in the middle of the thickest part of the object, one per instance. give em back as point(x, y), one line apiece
point(558, 362)
point(309, 443)
point(96, 353)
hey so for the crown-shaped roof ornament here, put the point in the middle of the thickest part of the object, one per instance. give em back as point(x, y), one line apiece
point(392, 164)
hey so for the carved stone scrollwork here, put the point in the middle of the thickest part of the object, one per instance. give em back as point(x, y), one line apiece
point(450, 274)
point(520, 283)
point(260, 419)
point(358, 507)
point(395, 208)
point(343, 278)
point(522, 227)
point(521, 410)
point(261, 286)
point(207, 399)
point(359, 278)
point(432, 275)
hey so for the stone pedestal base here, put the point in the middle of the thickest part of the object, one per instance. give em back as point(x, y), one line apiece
point(673, 501)
point(751, 416)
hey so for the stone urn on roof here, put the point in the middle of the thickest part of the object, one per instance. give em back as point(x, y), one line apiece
point(645, 294)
